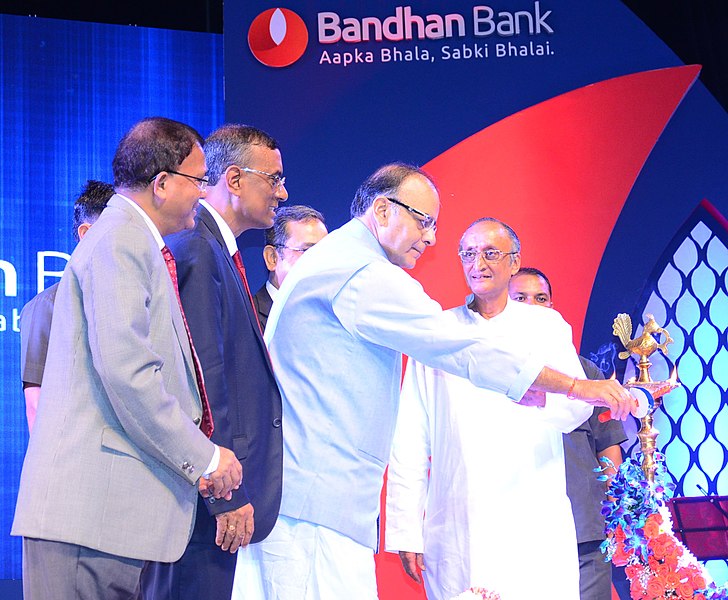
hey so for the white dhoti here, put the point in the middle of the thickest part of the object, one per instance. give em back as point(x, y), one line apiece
point(303, 561)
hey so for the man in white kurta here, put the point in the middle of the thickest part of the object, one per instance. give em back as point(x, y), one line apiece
point(496, 513)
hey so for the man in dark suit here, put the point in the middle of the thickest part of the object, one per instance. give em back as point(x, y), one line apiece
point(295, 230)
point(244, 170)
point(112, 470)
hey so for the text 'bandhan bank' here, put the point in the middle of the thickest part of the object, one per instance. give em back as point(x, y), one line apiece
point(404, 25)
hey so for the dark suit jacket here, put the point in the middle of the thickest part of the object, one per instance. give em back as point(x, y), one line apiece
point(245, 403)
point(241, 388)
point(263, 302)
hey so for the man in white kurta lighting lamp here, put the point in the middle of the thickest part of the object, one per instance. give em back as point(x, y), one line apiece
point(496, 513)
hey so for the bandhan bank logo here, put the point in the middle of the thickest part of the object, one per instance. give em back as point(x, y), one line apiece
point(277, 37)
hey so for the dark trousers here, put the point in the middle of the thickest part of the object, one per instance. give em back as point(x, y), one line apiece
point(595, 575)
point(203, 572)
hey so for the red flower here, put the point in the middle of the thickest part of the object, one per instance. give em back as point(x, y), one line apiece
point(621, 557)
point(655, 588)
point(636, 591)
point(685, 590)
point(633, 571)
point(652, 525)
point(671, 562)
point(661, 579)
point(672, 577)
point(659, 549)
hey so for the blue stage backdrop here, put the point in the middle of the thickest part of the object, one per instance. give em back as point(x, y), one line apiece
point(69, 92)
point(569, 120)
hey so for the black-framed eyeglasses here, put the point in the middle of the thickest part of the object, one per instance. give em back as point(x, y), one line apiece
point(301, 250)
point(276, 181)
point(490, 255)
point(427, 222)
point(200, 182)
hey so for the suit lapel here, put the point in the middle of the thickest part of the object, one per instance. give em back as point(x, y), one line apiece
point(208, 221)
point(180, 330)
point(265, 301)
point(175, 310)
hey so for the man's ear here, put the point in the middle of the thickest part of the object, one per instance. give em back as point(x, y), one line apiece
point(83, 230)
point(160, 181)
point(232, 178)
point(515, 263)
point(381, 210)
point(160, 186)
point(270, 256)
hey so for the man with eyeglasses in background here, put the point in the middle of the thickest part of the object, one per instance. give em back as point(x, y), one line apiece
point(295, 229)
point(120, 442)
point(246, 186)
point(336, 334)
point(496, 513)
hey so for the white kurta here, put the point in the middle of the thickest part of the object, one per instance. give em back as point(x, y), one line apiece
point(496, 513)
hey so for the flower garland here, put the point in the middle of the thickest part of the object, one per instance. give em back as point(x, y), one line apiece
point(477, 593)
point(640, 538)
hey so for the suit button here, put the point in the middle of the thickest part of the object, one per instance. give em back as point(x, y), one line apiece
point(188, 467)
point(197, 421)
point(276, 422)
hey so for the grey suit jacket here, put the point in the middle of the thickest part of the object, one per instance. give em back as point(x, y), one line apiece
point(116, 450)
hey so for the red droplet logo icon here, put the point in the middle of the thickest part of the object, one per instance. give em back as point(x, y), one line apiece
point(278, 37)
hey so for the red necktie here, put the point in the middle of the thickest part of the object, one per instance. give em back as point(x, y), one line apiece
point(207, 426)
point(238, 260)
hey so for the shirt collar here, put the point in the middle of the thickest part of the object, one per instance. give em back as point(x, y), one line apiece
point(476, 316)
point(227, 234)
point(272, 290)
point(147, 220)
point(357, 229)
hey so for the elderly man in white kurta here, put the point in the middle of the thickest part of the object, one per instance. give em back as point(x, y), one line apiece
point(493, 512)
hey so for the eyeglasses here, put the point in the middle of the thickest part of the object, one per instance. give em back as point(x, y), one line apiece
point(200, 182)
point(428, 222)
point(301, 250)
point(276, 181)
point(491, 255)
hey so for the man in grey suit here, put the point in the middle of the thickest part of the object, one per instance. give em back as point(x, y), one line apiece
point(111, 476)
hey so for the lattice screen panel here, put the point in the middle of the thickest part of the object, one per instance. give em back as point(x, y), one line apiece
point(689, 297)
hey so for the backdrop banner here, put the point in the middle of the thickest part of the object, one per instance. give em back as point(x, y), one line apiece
point(571, 121)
